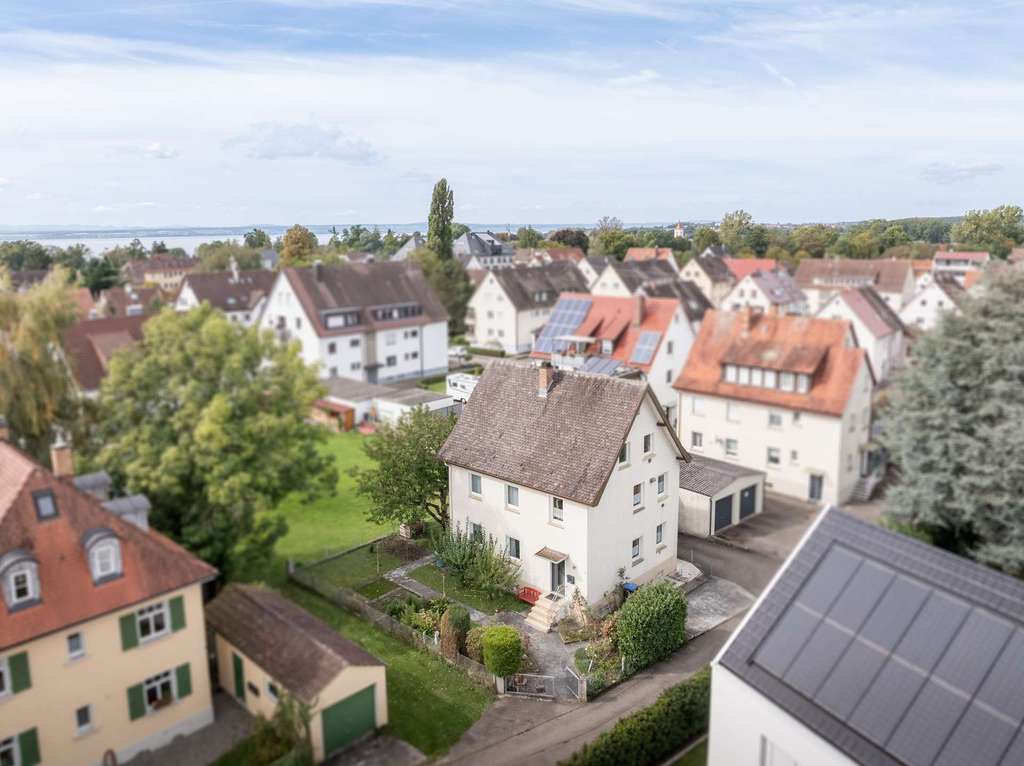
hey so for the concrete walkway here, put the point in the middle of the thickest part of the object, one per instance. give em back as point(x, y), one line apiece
point(376, 751)
point(231, 724)
point(400, 576)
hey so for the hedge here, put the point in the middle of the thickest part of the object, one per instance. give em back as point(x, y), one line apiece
point(651, 625)
point(475, 643)
point(480, 351)
point(455, 623)
point(503, 650)
point(654, 733)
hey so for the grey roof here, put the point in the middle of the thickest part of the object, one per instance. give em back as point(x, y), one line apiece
point(530, 287)
point(707, 476)
point(693, 301)
point(228, 291)
point(948, 284)
point(415, 242)
point(779, 287)
point(131, 504)
point(894, 651)
point(352, 390)
point(635, 273)
point(480, 244)
point(564, 444)
point(597, 262)
point(412, 397)
point(92, 482)
point(712, 262)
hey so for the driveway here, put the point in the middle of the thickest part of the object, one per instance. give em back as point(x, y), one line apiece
point(777, 529)
point(231, 724)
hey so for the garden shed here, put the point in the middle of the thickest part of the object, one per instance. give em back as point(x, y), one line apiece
point(715, 494)
point(266, 645)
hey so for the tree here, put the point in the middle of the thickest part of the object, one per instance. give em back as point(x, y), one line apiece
point(612, 243)
point(571, 238)
point(406, 482)
point(734, 228)
point(73, 257)
point(122, 254)
point(757, 238)
point(99, 274)
point(814, 239)
point(450, 283)
point(953, 430)
point(25, 255)
point(528, 237)
point(458, 229)
point(257, 239)
point(208, 419)
point(704, 238)
point(893, 236)
point(439, 222)
point(298, 247)
point(37, 394)
point(996, 230)
point(217, 255)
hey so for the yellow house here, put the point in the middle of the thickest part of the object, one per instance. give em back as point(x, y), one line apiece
point(102, 636)
point(266, 644)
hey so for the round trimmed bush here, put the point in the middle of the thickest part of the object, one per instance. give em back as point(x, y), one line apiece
point(651, 624)
point(503, 650)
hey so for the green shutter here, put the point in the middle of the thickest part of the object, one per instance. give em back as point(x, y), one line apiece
point(129, 632)
point(136, 702)
point(21, 678)
point(184, 680)
point(177, 613)
point(28, 744)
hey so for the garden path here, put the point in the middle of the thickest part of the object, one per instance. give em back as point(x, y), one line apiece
point(400, 576)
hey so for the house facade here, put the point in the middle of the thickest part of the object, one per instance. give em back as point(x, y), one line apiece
point(959, 263)
point(241, 295)
point(592, 267)
point(483, 250)
point(624, 278)
point(767, 291)
point(375, 322)
point(876, 327)
point(822, 278)
point(162, 270)
point(790, 396)
point(943, 295)
point(711, 274)
point(575, 474)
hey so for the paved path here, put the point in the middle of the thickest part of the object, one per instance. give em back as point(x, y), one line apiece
point(231, 724)
point(378, 750)
point(400, 576)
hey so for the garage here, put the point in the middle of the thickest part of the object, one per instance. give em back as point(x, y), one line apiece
point(349, 720)
point(715, 495)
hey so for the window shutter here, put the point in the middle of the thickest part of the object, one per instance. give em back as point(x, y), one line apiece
point(184, 677)
point(21, 678)
point(177, 613)
point(28, 744)
point(136, 702)
point(129, 632)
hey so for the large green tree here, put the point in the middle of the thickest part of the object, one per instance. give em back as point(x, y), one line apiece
point(953, 428)
point(209, 420)
point(571, 238)
point(449, 280)
point(734, 229)
point(217, 255)
point(704, 238)
point(406, 481)
point(25, 255)
point(814, 239)
point(528, 237)
point(298, 247)
point(257, 239)
point(997, 230)
point(439, 221)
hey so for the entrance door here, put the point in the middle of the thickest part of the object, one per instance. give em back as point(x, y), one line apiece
point(557, 576)
point(817, 487)
point(346, 721)
point(748, 501)
point(239, 669)
point(723, 512)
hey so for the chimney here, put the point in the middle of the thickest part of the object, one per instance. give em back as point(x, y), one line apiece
point(318, 271)
point(746, 318)
point(545, 374)
point(61, 460)
point(638, 309)
point(233, 266)
point(5, 430)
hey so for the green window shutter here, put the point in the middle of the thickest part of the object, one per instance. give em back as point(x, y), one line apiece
point(28, 744)
point(21, 678)
point(136, 702)
point(129, 632)
point(177, 613)
point(184, 675)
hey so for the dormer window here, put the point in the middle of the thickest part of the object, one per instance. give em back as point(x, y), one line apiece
point(46, 504)
point(21, 584)
point(103, 551)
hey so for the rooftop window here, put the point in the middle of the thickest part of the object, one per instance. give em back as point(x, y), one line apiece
point(46, 504)
point(761, 378)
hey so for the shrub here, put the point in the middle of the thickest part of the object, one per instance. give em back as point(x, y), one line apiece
point(651, 625)
point(454, 626)
point(503, 650)
point(476, 563)
point(480, 351)
point(475, 644)
point(652, 734)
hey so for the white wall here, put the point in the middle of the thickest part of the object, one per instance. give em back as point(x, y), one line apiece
point(494, 317)
point(927, 308)
point(749, 294)
point(697, 511)
point(669, 360)
point(589, 273)
point(283, 302)
point(608, 283)
point(887, 354)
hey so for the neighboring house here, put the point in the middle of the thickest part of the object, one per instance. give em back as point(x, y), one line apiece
point(460, 386)
point(876, 328)
point(349, 403)
point(622, 278)
point(575, 475)
point(416, 242)
point(715, 494)
point(922, 271)
point(241, 295)
point(692, 300)
point(960, 263)
point(943, 295)
point(269, 258)
point(592, 267)
point(510, 305)
point(128, 301)
point(772, 292)
point(822, 278)
point(574, 254)
point(482, 250)
point(871, 648)
point(162, 270)
point(635, 336)
point(789, 395)
point(83, 300)
point(267, 645)
point(375, 322)
point(710, 273)
point(665, 254)
point(102, 637)
point(89, 345)
point(741, 268)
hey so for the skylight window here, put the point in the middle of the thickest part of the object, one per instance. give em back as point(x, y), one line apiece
point(46, 504)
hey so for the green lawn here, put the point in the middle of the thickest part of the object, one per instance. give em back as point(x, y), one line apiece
point(430, 575)
point(356, 569)
point(696, 757)
point(430, 703)
point(438, 386)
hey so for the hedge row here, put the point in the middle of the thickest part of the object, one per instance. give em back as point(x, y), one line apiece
point(654, 733)
point(503, 650)
point(651, 624)
point(480, 351)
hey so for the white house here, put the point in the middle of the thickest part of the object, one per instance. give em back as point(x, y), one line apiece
point(623, 278)
point(710, 272)
point(664, 254)
point(241, 295)
point(872, 648)
point(511, 304)
point(941, 296)
point(822, 278)
point(482, 250)
point(876, 327)
point(575, 474)
point(767, 291)
point(592, 266)
point(375, 322)
point(788, 395)
point(960, 263)
point(348, 403)
point(716, 494)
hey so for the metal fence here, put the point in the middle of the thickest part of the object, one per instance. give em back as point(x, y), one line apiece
point(576, 684)
point(531, 685)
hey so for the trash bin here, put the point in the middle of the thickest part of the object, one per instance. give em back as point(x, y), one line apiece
point(630, 588)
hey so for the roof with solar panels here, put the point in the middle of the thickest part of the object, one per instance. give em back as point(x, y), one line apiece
point(615, 334)
point(894, 651)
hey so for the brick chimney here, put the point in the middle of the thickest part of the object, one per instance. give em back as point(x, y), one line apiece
point(545, 375)
point(5, 430)
point(638, 309)
point(61, 459)
point(318, 271)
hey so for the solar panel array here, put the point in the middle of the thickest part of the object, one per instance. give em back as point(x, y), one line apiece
point(926, 676)
point(601, 365)
point(567, 315)
point(645, 347)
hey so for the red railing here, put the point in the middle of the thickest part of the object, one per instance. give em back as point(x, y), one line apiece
point(528, 594)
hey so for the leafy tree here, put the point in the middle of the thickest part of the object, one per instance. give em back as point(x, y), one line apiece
point(734, 228)
point(257, 239)
point(571, 238)
point(607, 222)
point(298, 247)
point(391, 242)
point(757, 238)
point(439, 221)
point(996, 230)
point(217, 255)
point(122, 254)
point(208, 419)
point(528, 237)
point(458, 229)
point(37, 393)
point(704, 238)
point(612, 243)
point(894, 235)
point(406, 481)
point(450, 282)
point(99, 274)
point(814, 239)
point(158, 247)
point(25, 255)
point(73, 257)
point(953, 430)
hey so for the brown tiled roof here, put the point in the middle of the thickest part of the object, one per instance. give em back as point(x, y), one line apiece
point(364, 286)
point(649, 254)
point(921, 266)
point(223, 291)
point(153, 565)
point(296, 649)
point(695, 304)
point(83, 299)
point(116, 300)
point(634, 273)
point(137, 270)
point(90, 343)
point(887, 275)
point(974, 256)
point(741, 267)
point(564, 444)
point(529, 287)
point(573, 254)
point(873, 311)
point(759, 340)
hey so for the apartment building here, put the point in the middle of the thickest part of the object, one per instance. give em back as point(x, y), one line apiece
point(822, 278)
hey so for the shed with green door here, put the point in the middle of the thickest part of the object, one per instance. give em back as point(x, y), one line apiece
point(267, 645)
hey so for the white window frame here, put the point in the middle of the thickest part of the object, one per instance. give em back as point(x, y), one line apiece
point(757, 377)
point(11, 745)
point(557, 509)
point(149, 613)
point(106, 546)
point(518, 555)
point(80, 653)
point(623, 459)
point(787, 381)
point(778, 456)
point(480, 481)
point(636, 545)
point(272, 691)
point(774, 419)
point(26, 569)
point(803, 383)
point(85, 728)
point(744, 376)
point(696, 440)
point(508, 496)
point(770, 379)
point(648, 444)
point(662, 484)
point(730, 373)
point(638, 497)
point(156, 682)
point(735, 449)
point(659, 533)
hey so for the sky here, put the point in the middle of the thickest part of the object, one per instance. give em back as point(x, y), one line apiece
point(237, 112)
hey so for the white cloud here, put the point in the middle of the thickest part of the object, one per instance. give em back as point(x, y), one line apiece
point(276, 141)
point(778, 75)
point(4, 183)
point(640, 78)
point(947, 173)
point(158, 151)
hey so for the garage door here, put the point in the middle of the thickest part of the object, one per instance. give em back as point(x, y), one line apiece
point(723, 512)
point(348, 720)
point(748, 501)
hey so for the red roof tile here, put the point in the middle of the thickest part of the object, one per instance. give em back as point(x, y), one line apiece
point(649, 254)
point(742, 267)
point(89, 344)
